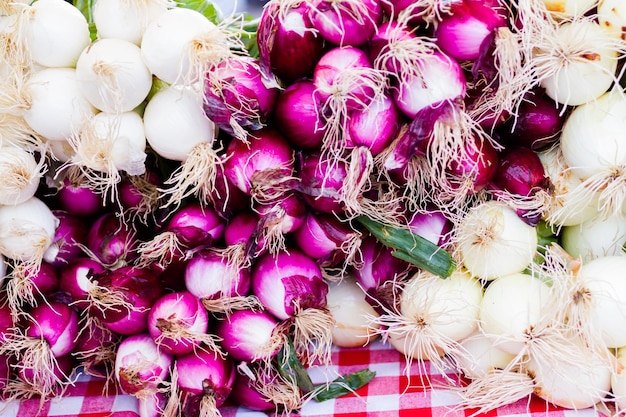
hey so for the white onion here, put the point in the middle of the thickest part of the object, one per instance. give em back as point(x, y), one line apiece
point(26, 230)
point(113, 75)
point(593, 147)
point(56, 33)
point(511, 307)
point(109, 143)
point(434, 315)
point(175, 123)
point(493, 241)
point(598, 301)
point(595, 238)
point(575, 385)
point(126, 19)
point(577, 63)
point(19, 175)
point(57, 107)
point(478, 356)
point(612, 15)
point(564, 209)
point(347, 303)
point(174, 43)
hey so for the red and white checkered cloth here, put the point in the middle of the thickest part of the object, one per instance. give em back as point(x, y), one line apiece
point(389, 394)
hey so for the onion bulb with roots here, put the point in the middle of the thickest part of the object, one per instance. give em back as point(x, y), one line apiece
point(493, 241)
point(512, 306)
point(592, 146)
point(434, 315)
point(113, 75)
point(596, 303)
point(576, 61)
point(352, 313)
point(569, 8)
point(20, 174)
point(563, 209)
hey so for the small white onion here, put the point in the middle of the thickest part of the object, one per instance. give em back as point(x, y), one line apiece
point(57, 107)
point(493, 241)
point(612, 15)
point(595, 238)
point(351, 311)
point(26, 230)
point(56, 33)
point(109, 143)
point(168, 44)
point(574, 385)
point(124, 19)
point(511, 307)
point(175, 123)
point(19, 175)
point(578, 62)
point(593, 147)
point(600, 296)
point(113, 75)
point(564, 209)
point(478, 356)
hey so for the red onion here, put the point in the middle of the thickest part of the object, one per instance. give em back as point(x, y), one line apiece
point(96, 348)
point(61, 371)
point(205, 380)
point(178, 323)
point(298, 111)
point(475, 168)
point(461, 33)
point(326, 239)
point(78, 279)
point(249, 335)
point(375, 126)
point(131, 292)
point(111, 240)
point(439, 78)
point(238, 95)
point(345, 73)
point(537, 123)
point(288, 45)
point(140, 367)
point(242, 238)
point(245, 394)
point(269, 390)
point(321, 182)
point(219, 285)
point(6, 321)
point(260, 164)
point(139, 193)
point(30, 285)
point(278, 218)
point(432, 225)
point(49, 332)
point(6, 363)
point(226, 199)
point(393, 46)
point(71, 232)
point(289, 284)
point(346, 22)
point(192, 227)
point(79, 200)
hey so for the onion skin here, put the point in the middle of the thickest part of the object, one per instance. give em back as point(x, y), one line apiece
point(79, 201)
point(196, 225)
point(320, 195)
point(343, 23)
point(72, 231)
point(247, 333)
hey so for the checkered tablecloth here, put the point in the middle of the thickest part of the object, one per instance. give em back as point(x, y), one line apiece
point(389, 394)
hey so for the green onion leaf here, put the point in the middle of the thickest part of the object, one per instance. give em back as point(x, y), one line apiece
point(343, 385)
